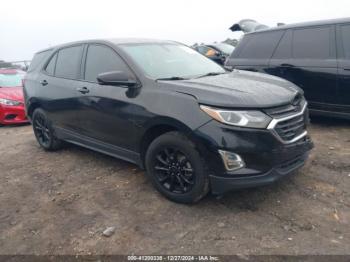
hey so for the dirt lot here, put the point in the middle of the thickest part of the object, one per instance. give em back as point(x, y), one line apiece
point(59, 203)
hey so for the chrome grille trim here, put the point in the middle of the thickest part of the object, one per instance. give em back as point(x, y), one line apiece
point(275, 121)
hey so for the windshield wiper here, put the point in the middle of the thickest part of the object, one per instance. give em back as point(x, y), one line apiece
point(211, 74)
point(172, 78)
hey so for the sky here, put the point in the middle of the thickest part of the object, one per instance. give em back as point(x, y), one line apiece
point(27, 26)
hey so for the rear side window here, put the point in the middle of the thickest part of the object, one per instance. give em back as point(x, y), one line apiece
point(38, 59)
point(312, 43)
point(50, 68)
point(284, 49)
point(260, 45)
point(102, 59)
point(68, 62)
point(345, 33)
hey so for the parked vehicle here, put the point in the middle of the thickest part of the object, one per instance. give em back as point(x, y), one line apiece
point(11, 97)
point(315, 56)
point(162, 105)
point(216, 52)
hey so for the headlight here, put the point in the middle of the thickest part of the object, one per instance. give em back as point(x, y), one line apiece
point(8, 102)
point(242, 118)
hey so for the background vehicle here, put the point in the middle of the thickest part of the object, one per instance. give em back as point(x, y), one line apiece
point(315, 56)
point(165, 107)
point(216, 52)
point(11, 97)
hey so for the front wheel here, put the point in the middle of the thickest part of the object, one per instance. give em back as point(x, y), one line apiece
point(44, 133)
point(176, 168)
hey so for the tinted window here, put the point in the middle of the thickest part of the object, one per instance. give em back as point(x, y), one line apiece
point(50, 68)
point(345, 32)
point(260, 45)
point(68, 62)
point(38, 59)
point(102, 59)
point(202, 49)
point(284, 49)
point(312, 43)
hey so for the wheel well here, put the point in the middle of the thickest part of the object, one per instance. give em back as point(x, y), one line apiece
point(152, 134)
point(32, 108)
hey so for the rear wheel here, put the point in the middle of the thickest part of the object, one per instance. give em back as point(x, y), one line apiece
point(44, 132)
point(176, 168)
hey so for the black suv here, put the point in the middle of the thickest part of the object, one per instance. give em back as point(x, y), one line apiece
point(315, 56)
point(165, 107)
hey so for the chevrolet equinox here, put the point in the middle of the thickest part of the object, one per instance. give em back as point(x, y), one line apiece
point(192, 125)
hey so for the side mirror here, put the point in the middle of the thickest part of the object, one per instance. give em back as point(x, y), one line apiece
point(116, 78)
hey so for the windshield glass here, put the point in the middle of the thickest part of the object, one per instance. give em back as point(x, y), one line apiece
point(163, 60)
point(11, 80)
point(227, 49)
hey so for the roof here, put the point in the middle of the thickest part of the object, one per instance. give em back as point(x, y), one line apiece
point(306, 24)
point(116, 41)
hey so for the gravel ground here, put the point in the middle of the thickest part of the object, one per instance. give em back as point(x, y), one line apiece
point(61, 202)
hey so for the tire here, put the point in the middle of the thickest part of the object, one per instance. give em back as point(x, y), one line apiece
point(44, 132)
point(176, 168)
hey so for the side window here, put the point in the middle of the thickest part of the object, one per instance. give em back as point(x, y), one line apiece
point(284, 49)
point(102, 59)
point(202, 49)
point(68, 62)
point(312, 43)
point(211, 52)
point(345, 34)
point(50, 68)
point(38, 59)
point(260, 45)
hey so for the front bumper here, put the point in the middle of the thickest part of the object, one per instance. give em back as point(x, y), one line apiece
point(266, 158)
point(12, 115)
point(220, 185)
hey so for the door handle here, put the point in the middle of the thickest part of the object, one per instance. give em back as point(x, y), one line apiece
point(83, 90)
point(346, 69)
point(43, 82)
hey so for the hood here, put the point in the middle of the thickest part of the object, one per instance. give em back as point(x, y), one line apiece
point(12, 93)
point(238, 89)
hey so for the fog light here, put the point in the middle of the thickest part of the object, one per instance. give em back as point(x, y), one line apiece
point(231, 160)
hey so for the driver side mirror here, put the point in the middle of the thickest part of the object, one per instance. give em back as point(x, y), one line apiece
point(116, 78)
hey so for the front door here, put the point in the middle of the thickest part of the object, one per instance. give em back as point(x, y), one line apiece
point(107, 111)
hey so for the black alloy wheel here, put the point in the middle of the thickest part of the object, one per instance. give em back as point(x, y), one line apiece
point(44, 132)
point(174, 170)
point(41, 130)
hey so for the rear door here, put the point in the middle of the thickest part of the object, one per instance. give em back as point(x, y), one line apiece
point(254, 51)
point(59, 86)
point(343, 44)
point(307, 57)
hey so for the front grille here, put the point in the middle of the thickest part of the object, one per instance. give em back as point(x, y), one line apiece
point(291, 128)
point(289, 121)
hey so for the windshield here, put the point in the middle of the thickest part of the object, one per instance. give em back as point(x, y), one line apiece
point(163, 60)
point(225, 48)
point(11, 80)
